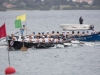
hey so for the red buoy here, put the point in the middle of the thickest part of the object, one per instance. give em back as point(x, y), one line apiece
point(10, 70)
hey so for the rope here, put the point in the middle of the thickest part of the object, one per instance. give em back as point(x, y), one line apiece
point(8, 58)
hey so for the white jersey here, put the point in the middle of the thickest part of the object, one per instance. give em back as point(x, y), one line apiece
point(55, 40)
point(52, 39)
point(46, 40)
point(60, 40)
point(34, 40)
point(19, 39)
point(26, 39)
point(15, 38)
point(40, 40)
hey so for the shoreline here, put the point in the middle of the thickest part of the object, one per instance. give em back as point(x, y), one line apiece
point(45, 10)
point(49, 10)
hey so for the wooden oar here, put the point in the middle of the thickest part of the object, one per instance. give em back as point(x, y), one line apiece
point(17, 32)
point(23, 48)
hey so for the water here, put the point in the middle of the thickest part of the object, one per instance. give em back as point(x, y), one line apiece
point(82, 60)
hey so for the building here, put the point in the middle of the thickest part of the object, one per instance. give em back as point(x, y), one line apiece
point(88, 1)
point(7, 5)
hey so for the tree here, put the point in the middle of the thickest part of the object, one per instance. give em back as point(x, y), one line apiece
point(21, 5)
point(1, 1)
point(96, 2)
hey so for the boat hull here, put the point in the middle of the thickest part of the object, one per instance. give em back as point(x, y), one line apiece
point(94, 37)
point(17, 45)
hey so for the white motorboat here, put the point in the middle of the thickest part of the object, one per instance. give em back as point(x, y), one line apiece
point(76, 27)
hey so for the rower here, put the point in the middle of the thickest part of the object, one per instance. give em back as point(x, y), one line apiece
point(92, 32)
point(53, 34)
point(39, 35)
point(36, 40)
point(78, 34)
point(13, 37)
point(30, 39)
point(83, 33)
point(87, 32)
point(72, 35)
point(56, 40)
point(43, 35)
point(63, 35)
point(58, 34)
point(67, 34)
point(47, 39)
point(47, 34)
point(33, 35)
point(42, 39)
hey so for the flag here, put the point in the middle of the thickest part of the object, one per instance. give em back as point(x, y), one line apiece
point(3, 31)
point(22, 17)
point(18, 23)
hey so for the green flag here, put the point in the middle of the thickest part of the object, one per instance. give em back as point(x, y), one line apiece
point(18, 23)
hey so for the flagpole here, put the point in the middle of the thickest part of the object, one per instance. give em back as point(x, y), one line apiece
point(5, 35)
point(26, 27)
point(8, 70)
point(8, 50)
point(23, 18)
point(8, 58)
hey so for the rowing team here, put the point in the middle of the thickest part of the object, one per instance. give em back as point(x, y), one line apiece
point(45, 38)
point(41, 37)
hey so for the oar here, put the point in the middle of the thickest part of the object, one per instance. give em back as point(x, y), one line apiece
point(23, 48)
point(2, 39)
point(17, 32)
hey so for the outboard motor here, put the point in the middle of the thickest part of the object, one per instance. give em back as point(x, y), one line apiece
point(91, 27)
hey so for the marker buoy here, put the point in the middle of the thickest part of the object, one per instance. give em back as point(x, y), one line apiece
point(10, 70)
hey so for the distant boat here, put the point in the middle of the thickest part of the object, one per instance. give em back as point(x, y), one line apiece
point(78, 27)
point(75, 27)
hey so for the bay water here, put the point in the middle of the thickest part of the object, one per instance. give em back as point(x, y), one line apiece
point(78, 60)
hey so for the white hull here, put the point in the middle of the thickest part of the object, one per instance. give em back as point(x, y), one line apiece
point(75, 27)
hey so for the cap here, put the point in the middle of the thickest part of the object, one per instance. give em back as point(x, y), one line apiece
point(42, 32)
point(63, 31)
point(47, 32)
point(33, 32)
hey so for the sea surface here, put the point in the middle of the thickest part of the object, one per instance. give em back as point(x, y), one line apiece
point(76, 60)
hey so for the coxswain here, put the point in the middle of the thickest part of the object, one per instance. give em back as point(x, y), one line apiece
point(13, 37)
point(22, 29)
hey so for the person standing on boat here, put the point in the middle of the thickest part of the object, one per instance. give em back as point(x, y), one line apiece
point(81, 20)
point(22, 30)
